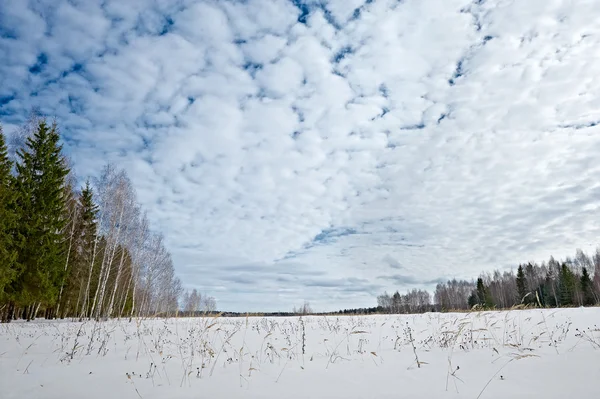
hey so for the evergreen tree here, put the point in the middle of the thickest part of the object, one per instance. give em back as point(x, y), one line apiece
point(54, 255)
point(484, 295)
point(81, 243)
point(521, 285)
point(567, 283)
point(7, 222)
point(473, 299)
point(69, 272)
point(587, 288)
point(40, 184)
point(552, 284)
point(396, 302)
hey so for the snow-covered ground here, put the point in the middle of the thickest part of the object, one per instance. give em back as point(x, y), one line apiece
point(515, 354)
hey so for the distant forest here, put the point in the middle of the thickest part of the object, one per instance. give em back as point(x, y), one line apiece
point(77, 252)
point(549, 284)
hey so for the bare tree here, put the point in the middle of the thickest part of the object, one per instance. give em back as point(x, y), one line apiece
point(209, 304)
point(305, 309)
point(385, 301)
point(130, 221)
point(454, 294)
point(192, 302)
point(138, 255)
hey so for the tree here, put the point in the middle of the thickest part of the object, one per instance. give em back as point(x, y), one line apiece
point(454, 294)
point(192, 302)
point(473, 300)
point(384, 301)
point(587, 288)
point(82, 248)
point(8, 221)
point(521, 285)
point(159, 266)
point(596, 262)
point(483, 294)
point(396, 302)
point(118, 216)
point(185, 300)
point(40, 181)
point(547, 284)
point(138, 254)
point(305, 308)
point(532, 274)
point(71, 215)
point(127, 197)
point(567, 285)
point(209, 304)
point(553, 282)
point(65, 252)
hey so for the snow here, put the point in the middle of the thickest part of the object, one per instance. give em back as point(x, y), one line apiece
point(508, 354)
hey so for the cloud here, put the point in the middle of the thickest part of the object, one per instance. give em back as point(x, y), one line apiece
point(394, 264)
point(300, 149)
point(404, 280)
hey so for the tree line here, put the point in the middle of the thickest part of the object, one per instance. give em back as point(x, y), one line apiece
point(571, 282)
point(70, 252)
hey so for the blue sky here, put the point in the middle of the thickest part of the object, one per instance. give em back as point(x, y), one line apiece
point(327, 151)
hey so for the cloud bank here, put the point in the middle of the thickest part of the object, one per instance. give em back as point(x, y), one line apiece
point(326, 150)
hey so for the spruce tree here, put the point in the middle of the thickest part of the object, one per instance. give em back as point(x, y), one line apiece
point(484, 295)
point(70, 274)
point(8, 221)
point(521, 285)
point(480, 291)
point(473, 300)
point(40, 183)
point(567, 282)
point(85, 240)
point(587, 288)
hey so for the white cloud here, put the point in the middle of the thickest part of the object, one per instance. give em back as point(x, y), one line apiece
point(378, 145)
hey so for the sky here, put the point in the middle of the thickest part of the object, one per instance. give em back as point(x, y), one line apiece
point(326, 151)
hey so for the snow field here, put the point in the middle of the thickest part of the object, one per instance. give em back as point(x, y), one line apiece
point(510, 354)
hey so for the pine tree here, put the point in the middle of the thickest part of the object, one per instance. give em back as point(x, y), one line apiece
point(473, 300)
point(484, 295)
point(587, 288)
point(521, 285)
point(396, 302)
point(40, 184)
point(82, 236)
point(567, 282)
point(88, 230)
point(7, 223)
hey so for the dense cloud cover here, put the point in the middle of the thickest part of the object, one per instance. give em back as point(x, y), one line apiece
point(326, 150)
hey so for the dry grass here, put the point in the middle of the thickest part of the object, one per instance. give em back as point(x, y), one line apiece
point(186, 350)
